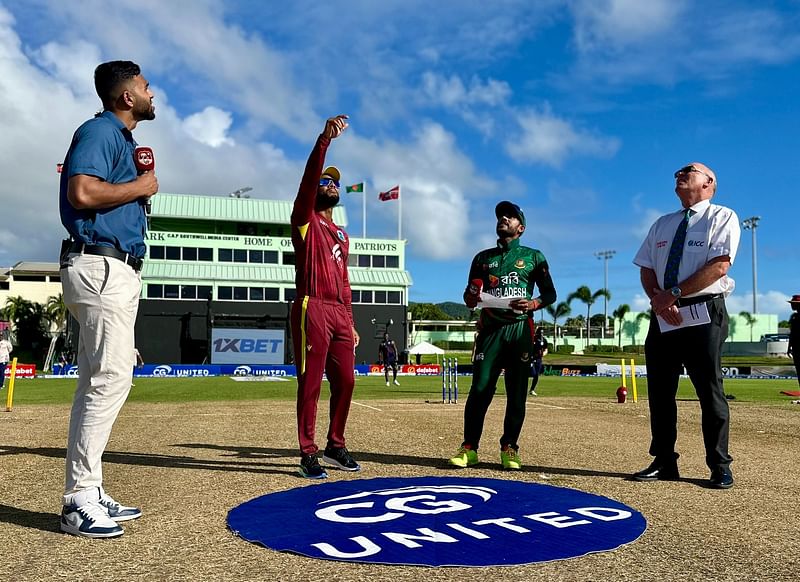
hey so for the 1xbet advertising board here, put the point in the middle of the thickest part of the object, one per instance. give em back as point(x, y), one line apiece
point(247, 346)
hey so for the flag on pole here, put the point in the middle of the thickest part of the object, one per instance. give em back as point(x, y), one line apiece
point(392, 194)
point(355, 188)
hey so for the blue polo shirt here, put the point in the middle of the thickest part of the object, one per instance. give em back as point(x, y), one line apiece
point(103, 147)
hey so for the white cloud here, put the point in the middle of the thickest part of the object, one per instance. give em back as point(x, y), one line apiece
point(607, 25)
point(210, 126)
point(548, 139)
point(453, 92)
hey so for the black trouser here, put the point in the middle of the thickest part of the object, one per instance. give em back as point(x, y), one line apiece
point(699, 349)
point(796, 358)
point(536, 370)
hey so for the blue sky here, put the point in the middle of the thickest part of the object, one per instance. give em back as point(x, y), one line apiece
point(578, 110)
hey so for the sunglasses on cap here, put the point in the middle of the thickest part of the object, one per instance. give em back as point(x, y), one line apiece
point(689, 169)
point(327, 181)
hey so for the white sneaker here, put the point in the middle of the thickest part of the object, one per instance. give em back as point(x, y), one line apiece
point(387, 383)
point(85, 517)
point(396, 383)
point(117, 511)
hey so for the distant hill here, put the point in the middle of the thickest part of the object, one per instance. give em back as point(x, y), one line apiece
point(454, 310)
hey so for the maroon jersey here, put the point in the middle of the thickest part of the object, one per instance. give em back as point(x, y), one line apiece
point(321, 247)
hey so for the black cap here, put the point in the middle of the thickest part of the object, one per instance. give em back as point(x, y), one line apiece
point(506, 208)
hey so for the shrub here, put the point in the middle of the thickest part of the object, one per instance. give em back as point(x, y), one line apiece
point(568, 349)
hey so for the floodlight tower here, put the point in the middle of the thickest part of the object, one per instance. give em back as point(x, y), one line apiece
point(605, 256)
point(751, 224)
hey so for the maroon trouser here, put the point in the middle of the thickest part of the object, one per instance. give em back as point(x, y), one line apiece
point(322, 336)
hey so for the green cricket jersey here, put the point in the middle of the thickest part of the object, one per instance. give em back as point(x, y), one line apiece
point(511, 271)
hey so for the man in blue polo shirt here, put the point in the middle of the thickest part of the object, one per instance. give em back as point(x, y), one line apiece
point(102, 198)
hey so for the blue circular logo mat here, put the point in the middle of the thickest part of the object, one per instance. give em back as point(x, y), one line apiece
point(437, 521)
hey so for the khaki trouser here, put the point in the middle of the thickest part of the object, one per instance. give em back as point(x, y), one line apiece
point(102, 294)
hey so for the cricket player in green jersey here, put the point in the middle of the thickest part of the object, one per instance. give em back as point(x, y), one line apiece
point(507, 272)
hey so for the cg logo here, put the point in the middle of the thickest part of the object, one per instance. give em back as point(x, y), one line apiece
point(417, 500)
point(162, 370)
point(436, 521)
point(242, 371)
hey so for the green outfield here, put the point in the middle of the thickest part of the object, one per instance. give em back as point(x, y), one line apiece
point(158, 390)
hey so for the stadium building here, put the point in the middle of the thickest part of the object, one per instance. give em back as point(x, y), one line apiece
point(223, 267)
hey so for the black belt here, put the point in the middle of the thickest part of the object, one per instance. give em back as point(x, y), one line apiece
point(684, 301)
point(133, 262)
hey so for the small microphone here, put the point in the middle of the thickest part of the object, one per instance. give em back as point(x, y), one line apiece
point(475, 286)
point(145, 161)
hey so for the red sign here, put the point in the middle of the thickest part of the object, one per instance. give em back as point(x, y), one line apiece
point(23, 370)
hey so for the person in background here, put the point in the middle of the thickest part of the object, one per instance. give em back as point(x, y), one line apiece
point(5, 356)
point(794, 334)
point(387, 356)
point(540, 346)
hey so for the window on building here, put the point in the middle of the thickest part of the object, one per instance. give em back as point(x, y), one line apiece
point(225, 293)
point(4, 285)
point(271, 257)
point(189, 253)
point(155, 291)
point(239, 256)
point(289, 294)
point(204, 254)
point(204, 291)
point(352, 260)
point(378, 261)
point(366, 297)
point(256, 256)
point(256, 294)
point(271, 294)
point(289, 258)
point(30, 278)
point(392, 262)
point(240, 293)
point(156, 252)
point(188, 291)
point(225, 255)
point(170, 291)
point(55, 278)
point(173, 253)
point(364, 261)
point(380, 296)
point(394, 298)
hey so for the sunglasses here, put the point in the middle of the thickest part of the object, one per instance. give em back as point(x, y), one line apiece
point(327, 181)
point(689, 169)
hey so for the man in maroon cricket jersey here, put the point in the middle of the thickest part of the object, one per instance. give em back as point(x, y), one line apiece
point(323, 334)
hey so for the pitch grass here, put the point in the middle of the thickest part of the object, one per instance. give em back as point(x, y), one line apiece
point(427, 388)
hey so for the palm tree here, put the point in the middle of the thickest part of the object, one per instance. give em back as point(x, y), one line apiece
point(18, 308)
point(619, 315)
point(561, 310)
point(750, 320)
point(639, 317)
point(585, 295)
point(56, 312)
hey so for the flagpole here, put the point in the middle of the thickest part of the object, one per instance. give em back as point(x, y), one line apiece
point(399, 214)
point(364, 211)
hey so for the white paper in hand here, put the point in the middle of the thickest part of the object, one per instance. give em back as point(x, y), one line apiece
point(696, 314)
point(487, 300)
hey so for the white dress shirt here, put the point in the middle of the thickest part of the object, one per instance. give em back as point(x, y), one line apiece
point(713, 232)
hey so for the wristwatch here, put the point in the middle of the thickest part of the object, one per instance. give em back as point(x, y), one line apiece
point(675, 292)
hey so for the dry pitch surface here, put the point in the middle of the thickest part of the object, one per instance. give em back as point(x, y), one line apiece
point(186, 465)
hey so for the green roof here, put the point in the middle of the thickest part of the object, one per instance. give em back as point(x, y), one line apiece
point(230, 209)
point(281, 274)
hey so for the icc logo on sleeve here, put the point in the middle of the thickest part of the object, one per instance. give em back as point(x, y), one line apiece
point(437, 521)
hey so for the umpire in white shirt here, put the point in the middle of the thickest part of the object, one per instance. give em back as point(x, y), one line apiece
point(684, 262)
